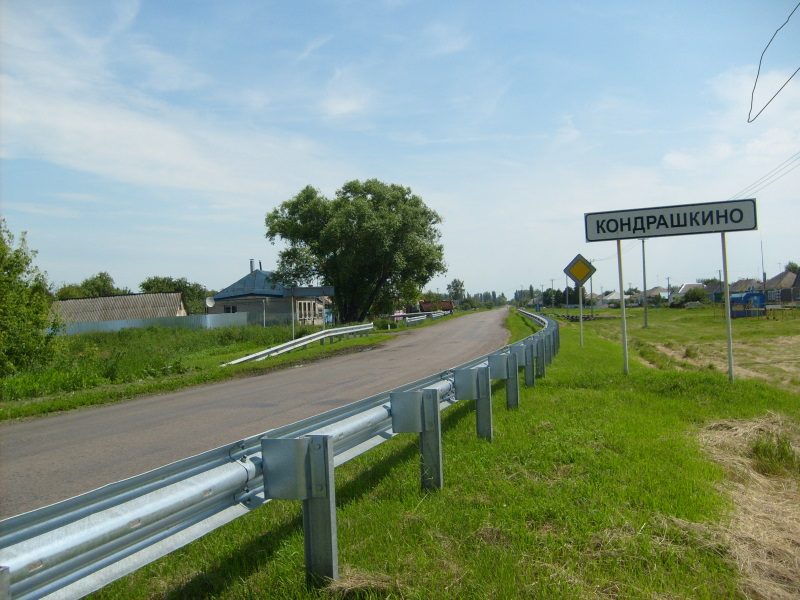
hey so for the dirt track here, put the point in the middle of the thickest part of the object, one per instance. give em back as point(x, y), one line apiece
point(57, 457)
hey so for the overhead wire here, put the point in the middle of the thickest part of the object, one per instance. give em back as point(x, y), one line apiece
point(755, 83)
point(783, 169)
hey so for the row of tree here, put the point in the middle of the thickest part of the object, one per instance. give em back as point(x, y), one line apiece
point(102, 284)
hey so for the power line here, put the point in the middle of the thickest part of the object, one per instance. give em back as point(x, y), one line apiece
point(781, 170)
point(753, 93)
point(776, 178)
point(766, 178)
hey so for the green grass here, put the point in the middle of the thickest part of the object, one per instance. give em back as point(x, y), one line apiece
point(774, 455)
point(596, 487)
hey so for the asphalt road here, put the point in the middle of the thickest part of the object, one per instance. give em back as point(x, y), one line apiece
point(53, 458)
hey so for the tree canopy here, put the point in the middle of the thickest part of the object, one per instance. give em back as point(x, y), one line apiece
point(374, 242)
point(96, 286)
point(26, 335)
point(194, 294)
point(455, 289)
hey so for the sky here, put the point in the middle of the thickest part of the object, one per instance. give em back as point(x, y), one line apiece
point(148, 138)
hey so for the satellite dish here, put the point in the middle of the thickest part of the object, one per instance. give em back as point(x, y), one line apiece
point(210, 301)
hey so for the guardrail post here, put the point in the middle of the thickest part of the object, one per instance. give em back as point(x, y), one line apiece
point(5, 583)
point(430, 441)
point(417, 411)
point(548, 350)
point(302, 469)
point(540, 367)
point(530, 362)
point(500, 368)
point(483, 405)
point(475, 384)
point(512, 382)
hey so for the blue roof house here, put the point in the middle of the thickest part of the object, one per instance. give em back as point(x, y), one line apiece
point(257, 293)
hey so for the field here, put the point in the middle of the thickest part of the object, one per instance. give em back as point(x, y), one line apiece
point(692, 339)
point(671, 482)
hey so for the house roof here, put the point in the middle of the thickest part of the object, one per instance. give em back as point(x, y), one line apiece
point(117, 308)
point(784, 281)
point(742, 286)
point(255, 283)
point(689, 286)
point(656, 291)
point(614, 296)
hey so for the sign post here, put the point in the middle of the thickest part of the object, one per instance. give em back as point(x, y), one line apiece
point(683, 219)
point(580, 270)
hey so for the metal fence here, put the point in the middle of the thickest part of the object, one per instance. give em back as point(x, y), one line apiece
point(77, 546)
point(189, 322)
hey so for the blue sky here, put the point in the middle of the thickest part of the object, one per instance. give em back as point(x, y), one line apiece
point(150, 138)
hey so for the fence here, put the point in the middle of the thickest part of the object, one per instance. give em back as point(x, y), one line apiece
point(77, 546)
point(189, 322)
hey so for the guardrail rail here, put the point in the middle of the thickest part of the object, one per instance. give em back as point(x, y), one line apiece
point(77, 546)
point(319, 336)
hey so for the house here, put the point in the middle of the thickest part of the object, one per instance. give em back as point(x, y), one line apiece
point(258, 293)
point(744, 285)
point(658, 292)
point(615, 298)
point(779, 289)
point(120, 308)
point(686, 287)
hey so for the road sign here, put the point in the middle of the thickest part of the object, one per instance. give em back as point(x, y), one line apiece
point(580, 270)
point(684, 219)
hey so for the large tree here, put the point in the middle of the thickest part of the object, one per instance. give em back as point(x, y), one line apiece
point(374, 242)
point(26, 336)
point(194, 294)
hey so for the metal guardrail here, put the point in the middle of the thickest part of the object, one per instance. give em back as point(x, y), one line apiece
point(304, 341)
point(77, 546)
point(415, 319)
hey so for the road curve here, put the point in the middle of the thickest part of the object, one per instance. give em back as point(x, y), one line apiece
point(53, 458)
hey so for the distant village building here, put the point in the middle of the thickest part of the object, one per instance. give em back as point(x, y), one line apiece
point(783, 288)
point(119, 308)
point(257, 293)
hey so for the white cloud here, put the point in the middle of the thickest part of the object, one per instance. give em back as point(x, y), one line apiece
point(312, 47)
point(442, 38)
point(346, 94)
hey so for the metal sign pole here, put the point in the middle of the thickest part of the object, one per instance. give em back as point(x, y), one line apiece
point(644, 283)
point(727, 307)
point(622, 306)
point(580, 308)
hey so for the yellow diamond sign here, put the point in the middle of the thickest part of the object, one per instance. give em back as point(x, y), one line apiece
point(580, 270)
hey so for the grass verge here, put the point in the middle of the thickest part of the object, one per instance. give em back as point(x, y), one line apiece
point(598, 486)
point(198, 366)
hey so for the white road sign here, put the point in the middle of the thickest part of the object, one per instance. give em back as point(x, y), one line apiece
point(684, 219)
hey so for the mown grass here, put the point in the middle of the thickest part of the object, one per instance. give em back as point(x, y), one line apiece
point(596, 487)
point(695, 339)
